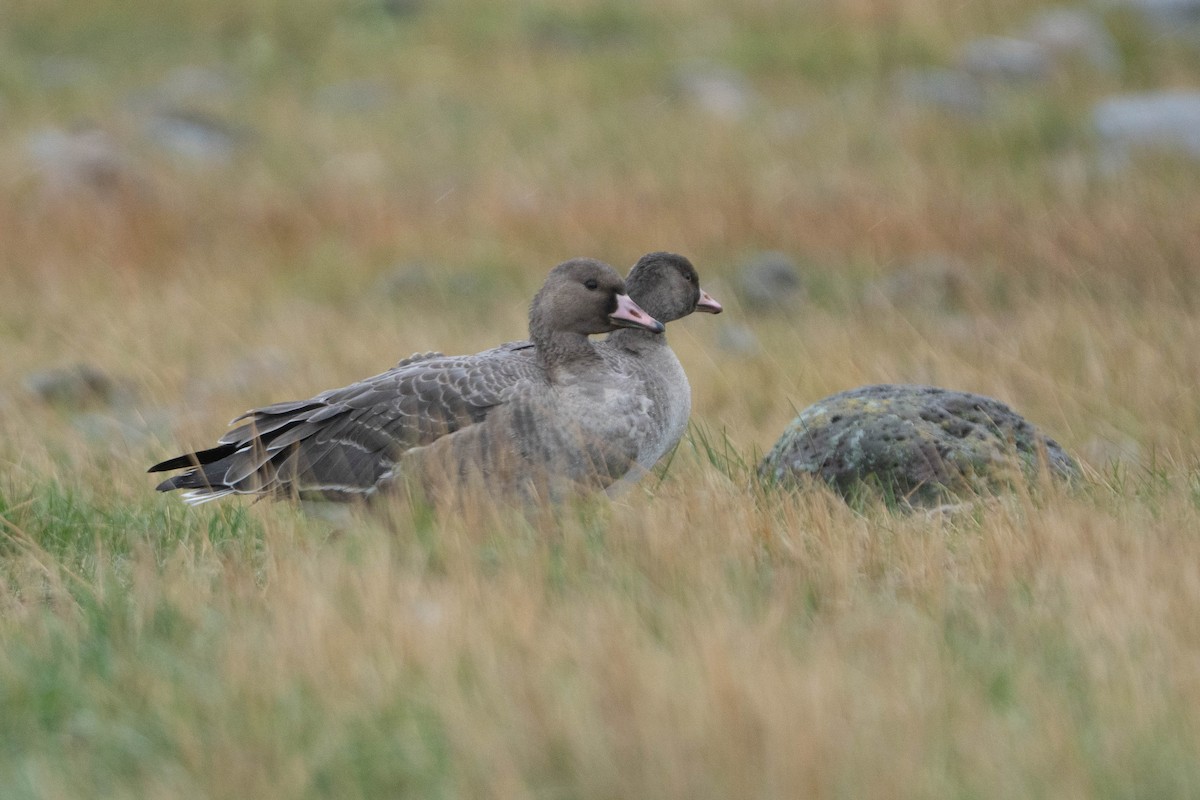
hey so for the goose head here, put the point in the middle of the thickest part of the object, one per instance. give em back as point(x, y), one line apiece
point(667, 286)
point(584, 296)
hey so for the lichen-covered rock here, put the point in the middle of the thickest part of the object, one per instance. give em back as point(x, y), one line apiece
point(916, 444)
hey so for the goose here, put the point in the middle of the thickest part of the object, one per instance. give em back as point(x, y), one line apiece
point(667, 286)
point(567, 412)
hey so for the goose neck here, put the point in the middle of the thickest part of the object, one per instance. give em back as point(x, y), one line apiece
point(564, 350)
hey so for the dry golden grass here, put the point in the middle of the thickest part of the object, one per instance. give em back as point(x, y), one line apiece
point(697, 637)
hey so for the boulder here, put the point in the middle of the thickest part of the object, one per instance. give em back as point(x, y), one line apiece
point(917, 445)
point(1075, 33)
point(1166, 121)
point(721, 92)
point(84, 158)
point(1004, 58)
point(77, 387)
point(770, 281)
point(948, 90)
point(194, 136)
point(1167, 15)
point(929, 284)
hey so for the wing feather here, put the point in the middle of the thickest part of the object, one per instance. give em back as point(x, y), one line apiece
point(347, 440)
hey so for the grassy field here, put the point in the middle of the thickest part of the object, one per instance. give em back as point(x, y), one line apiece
point(698, 637)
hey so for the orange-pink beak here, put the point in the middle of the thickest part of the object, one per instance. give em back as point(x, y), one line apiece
point(708, 304)
point(630, 315)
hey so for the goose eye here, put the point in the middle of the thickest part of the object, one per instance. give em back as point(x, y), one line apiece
point(591, 283)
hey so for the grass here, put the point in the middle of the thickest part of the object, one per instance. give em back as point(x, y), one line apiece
point(699, 636)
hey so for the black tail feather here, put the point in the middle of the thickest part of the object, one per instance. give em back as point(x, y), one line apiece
point(206, 477)
point(194, 460)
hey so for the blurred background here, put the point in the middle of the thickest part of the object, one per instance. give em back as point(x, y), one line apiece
point(210, 205)
point(206, 206)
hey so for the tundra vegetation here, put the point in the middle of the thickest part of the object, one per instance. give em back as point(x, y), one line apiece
point(216, 205)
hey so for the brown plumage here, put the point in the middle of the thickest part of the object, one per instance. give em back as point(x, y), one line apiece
point(348, 442)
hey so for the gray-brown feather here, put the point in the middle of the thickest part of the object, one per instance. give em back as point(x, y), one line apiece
point(345, 440)
point(504, 410)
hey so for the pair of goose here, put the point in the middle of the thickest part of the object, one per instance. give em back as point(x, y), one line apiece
point(525, 418)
